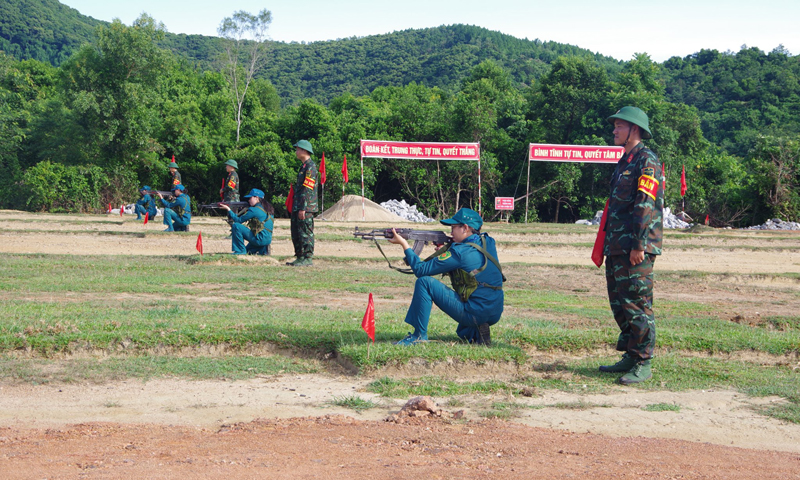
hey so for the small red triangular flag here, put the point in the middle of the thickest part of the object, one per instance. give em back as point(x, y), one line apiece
point(290, 199)
point(368, 323)
point(663, 178)
point(323, 177)
point(146, 217)
point(173, 158)
point(344, 170)
point(199, 245)
point(706, 219)
point(121, 210)
point(109, 208)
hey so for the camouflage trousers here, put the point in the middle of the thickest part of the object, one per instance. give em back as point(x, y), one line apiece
point(303, 235)
point(630, 293)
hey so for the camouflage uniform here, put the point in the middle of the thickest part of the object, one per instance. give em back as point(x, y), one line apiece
point(305, 198)
point(176, 179)
point(230, 192)
point(634, 222)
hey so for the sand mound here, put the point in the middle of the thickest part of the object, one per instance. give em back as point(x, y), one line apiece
point(350, 205)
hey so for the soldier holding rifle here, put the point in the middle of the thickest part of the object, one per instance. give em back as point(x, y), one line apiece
point(177, 214)
point(259, 221)
point(476, 299)
point(145, 205)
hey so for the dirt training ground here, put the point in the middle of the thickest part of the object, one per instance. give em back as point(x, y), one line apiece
point(277, 426)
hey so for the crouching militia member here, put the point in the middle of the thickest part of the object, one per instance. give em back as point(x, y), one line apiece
point(177, 214)
point(259, 221)
point(632, 241)
point(476, 299)
point(145, 205)
point(304, 206)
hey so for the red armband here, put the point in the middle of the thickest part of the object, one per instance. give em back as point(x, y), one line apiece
point(648, 185)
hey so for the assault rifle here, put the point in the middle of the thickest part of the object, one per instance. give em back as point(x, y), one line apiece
point(156, 192)
point(420, 238)
point(235, 206)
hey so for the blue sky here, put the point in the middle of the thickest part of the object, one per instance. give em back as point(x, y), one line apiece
point(617, 28)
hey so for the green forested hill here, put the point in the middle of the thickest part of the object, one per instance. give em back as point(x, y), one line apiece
point(50, 32)
point(44, 30)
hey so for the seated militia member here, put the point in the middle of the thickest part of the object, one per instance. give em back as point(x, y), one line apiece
point(476, 299)
point(177, 214)
point(145, 205)
point(258, 231)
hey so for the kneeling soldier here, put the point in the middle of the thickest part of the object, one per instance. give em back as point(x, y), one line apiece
point(177, 214)
point(258, 231)
point(476, 299)
point(145, 205)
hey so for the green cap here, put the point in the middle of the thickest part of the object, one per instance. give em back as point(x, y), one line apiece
point(465, 216)
point(635, 116)
point(305, 145)
point(232, 163)
point(173, 165)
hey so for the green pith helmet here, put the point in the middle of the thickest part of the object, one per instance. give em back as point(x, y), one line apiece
point(305, 145)
point(232, 163)
point(173, 165)
point(635, 116)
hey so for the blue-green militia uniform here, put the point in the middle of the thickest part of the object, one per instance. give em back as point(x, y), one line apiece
point(146, 205)
point(634, 222)
point(306, 190)
point(257, 232)
point(485, 304)
point(177, 214)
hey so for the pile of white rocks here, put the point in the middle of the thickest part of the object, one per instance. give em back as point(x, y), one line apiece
point(670, 220)
point(406, 211)
point(775, 224)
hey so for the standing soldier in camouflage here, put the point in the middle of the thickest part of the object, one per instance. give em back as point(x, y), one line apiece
point(230, 186)
point(230, 189)
point(176, 175)
point(633, 239)
point(304, 206)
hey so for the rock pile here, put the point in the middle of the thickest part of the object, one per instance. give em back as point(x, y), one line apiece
point(670, 220)
point(775, 224)
point(406, 211)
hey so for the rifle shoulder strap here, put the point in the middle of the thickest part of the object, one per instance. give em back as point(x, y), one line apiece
point(488, 256)
point(401, 270)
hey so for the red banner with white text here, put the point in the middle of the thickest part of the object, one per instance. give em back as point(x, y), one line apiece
point(420, 150)
point(544, 152)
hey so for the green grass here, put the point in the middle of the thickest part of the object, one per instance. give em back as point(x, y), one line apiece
point(662, 407)
point(149, 311)
point(353, 402)
point(39, 371)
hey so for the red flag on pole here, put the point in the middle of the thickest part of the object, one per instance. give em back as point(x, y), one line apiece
point(368, 323)
point(199, 244)
point(323, 177)
point(146, 217)
point(344, 170)
point(290, 199)
point(173, 158)
point(683, 181)
point(706, 219)
point(109, 208)
point(121, 210)
point(663, 177)
point(600, 240)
